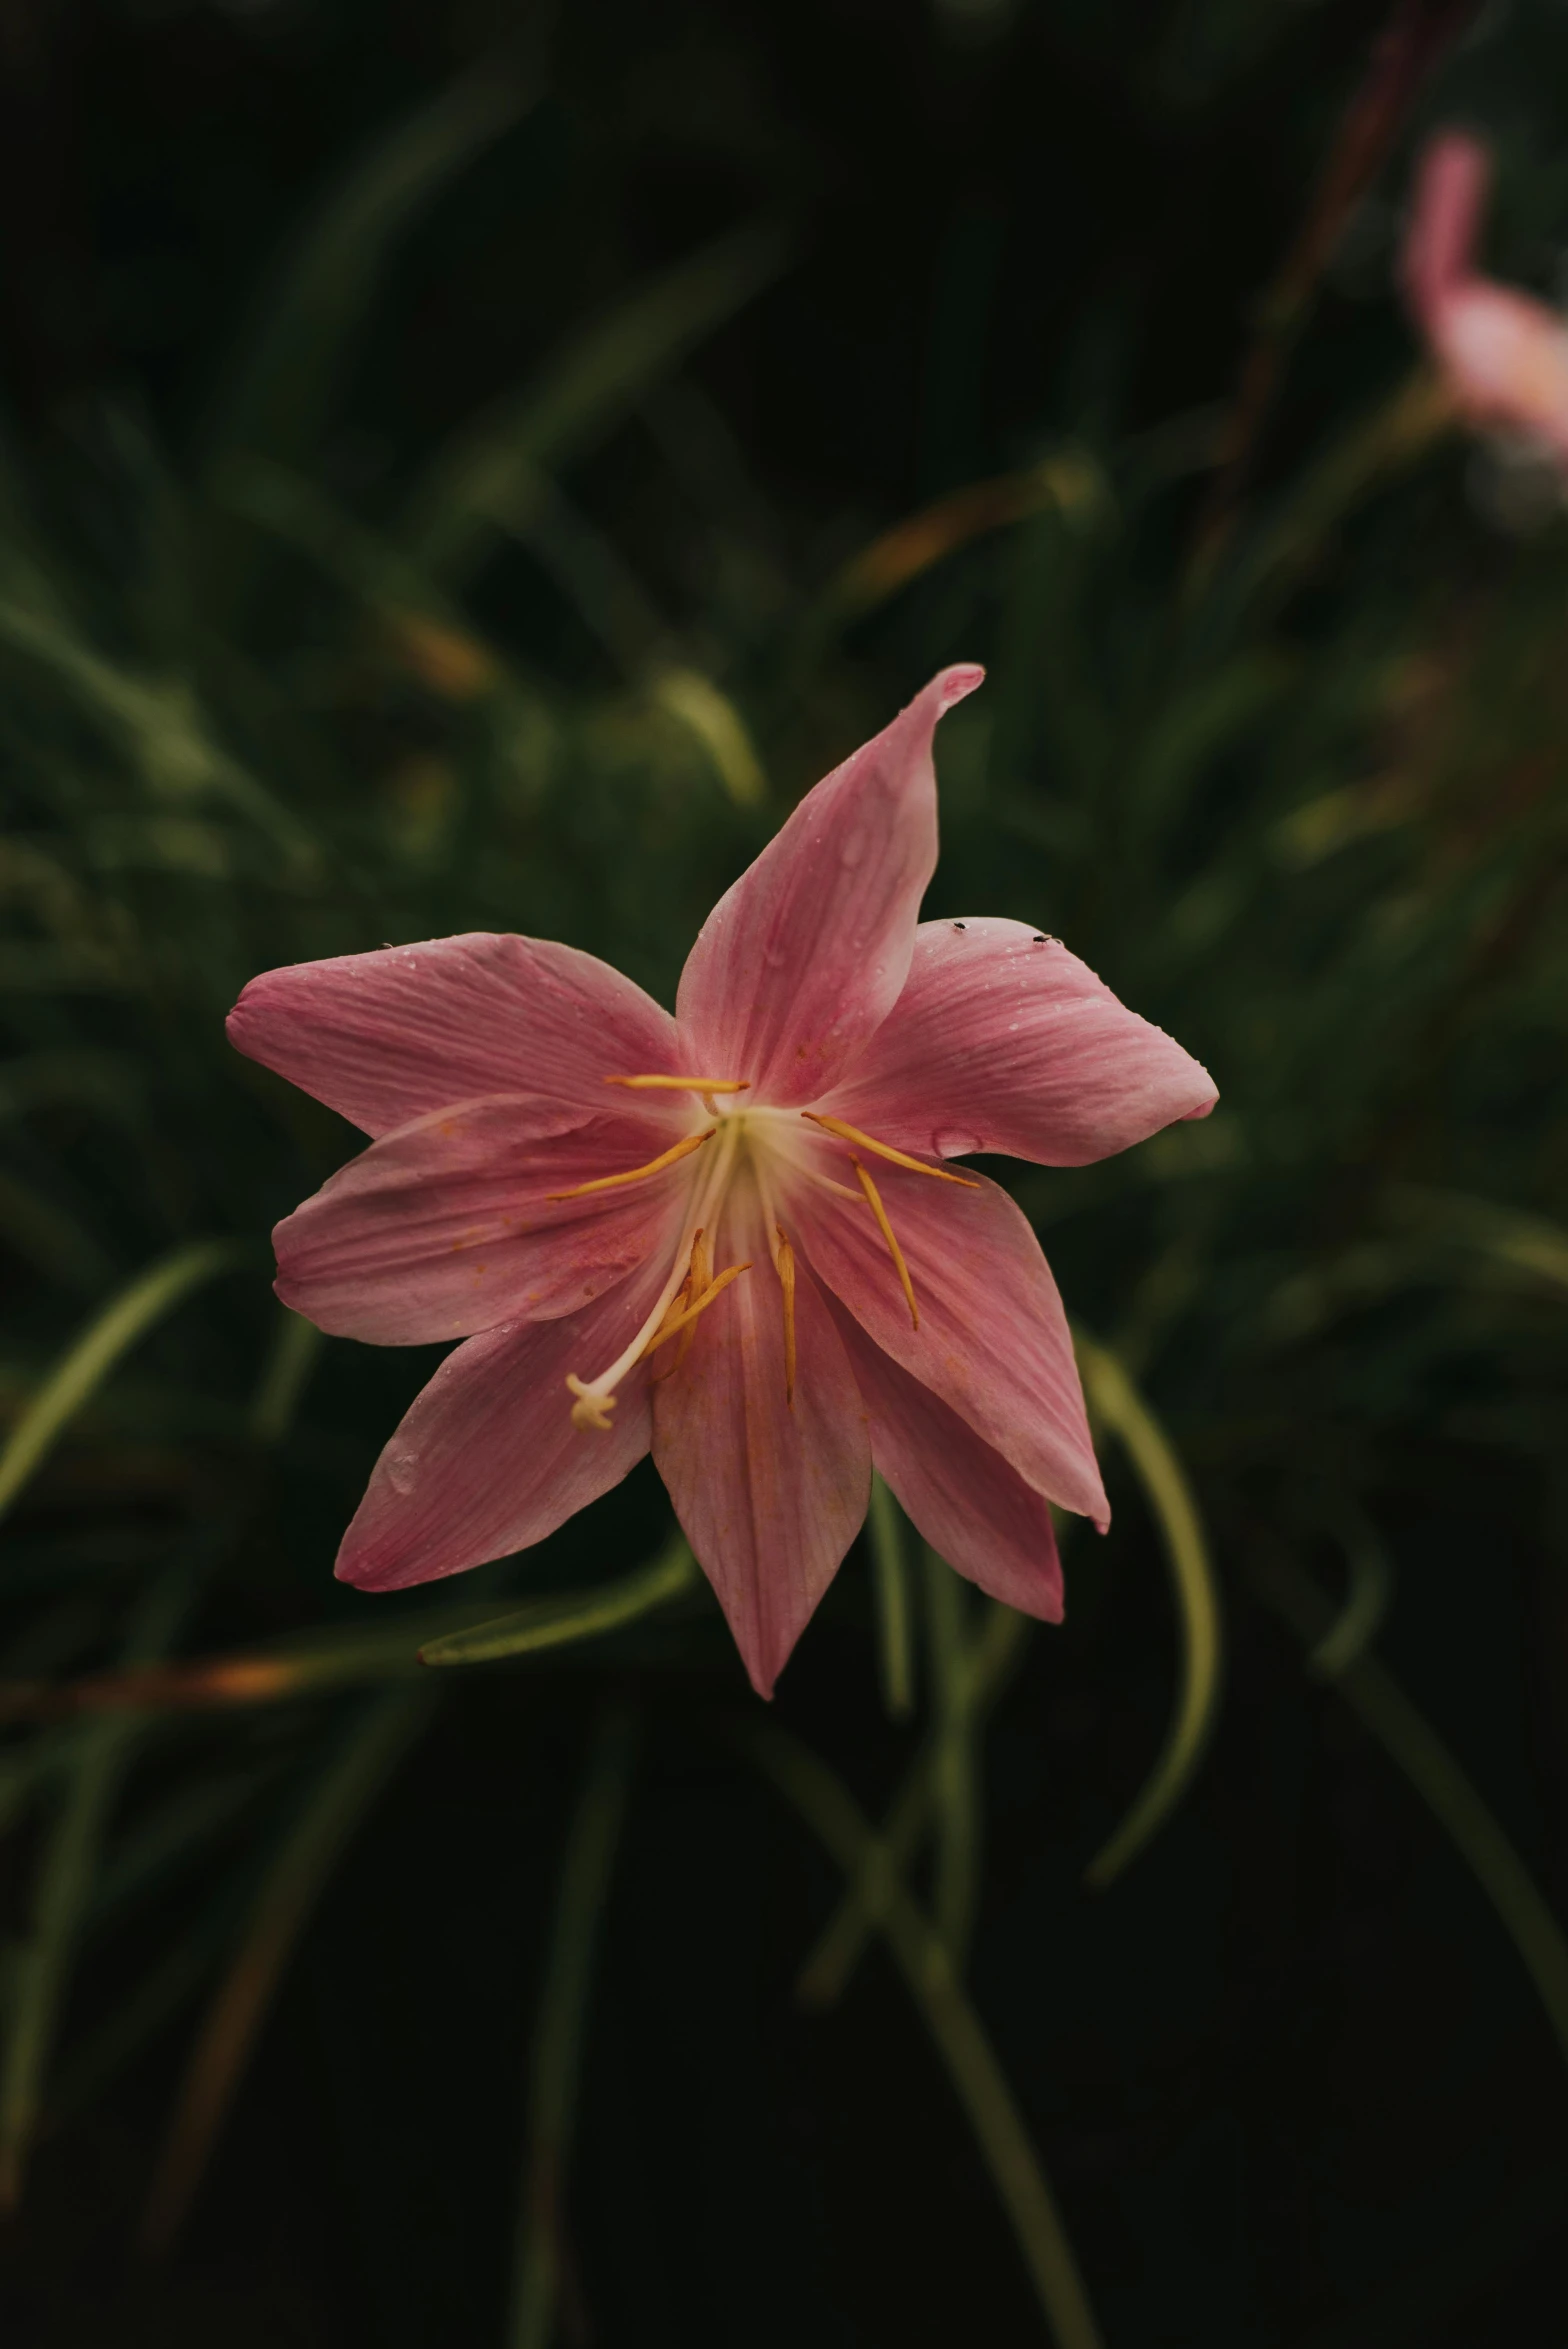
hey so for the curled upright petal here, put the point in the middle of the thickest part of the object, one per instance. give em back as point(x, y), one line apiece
point(993, 1339)
point(769, 1495)
point(385, 1037)
point(453, 1224)
point(486, 1459)
point(1003, 1041)
point(972, 1507)
point(804, 957)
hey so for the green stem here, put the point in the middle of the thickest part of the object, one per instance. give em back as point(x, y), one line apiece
point(922, 1958)
point(825, 1975)
point(558, 2035)
point(955, 1759)
point(890, 1583)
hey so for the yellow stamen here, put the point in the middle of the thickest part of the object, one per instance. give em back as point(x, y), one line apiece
point(685, 1084)
point(785, 1260)
point(590, 1409)
point(638, 1174)
point(836, 1125)
point(698, 1279)
point(715, 1288)
point(894, 1250)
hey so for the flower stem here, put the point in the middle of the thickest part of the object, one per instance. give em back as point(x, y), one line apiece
point(558, 2035)
point(890, 1582)
point(923, 1959)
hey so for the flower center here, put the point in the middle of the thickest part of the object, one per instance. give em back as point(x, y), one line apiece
point(768, 1142)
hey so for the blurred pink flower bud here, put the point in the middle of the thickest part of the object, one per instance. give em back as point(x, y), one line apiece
point(1503, 355)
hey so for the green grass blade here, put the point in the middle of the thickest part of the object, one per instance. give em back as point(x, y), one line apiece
point(283, 1907)
point(296, 1349)
point(955, 1760)
point(558, 2034)
point(1411, 1742)
point(1118, 1407)
point(825, 1976)
point(922, 1958)
point(890, 1587)
point(63, 1892)
point(553, 1623)
point(483, 481)
point(1366, 1602)
point(83, 1367)
point(283, 381)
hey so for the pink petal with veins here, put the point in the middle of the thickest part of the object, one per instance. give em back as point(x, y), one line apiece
point(999, 1042)
point(993, 1339)
point(447, 1226)
point(486, 1460)
point(805, 956)
point(389, 1036)
point(769, 1497)
point(960, 1495)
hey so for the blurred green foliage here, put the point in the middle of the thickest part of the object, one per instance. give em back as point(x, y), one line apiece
point(1298, 789)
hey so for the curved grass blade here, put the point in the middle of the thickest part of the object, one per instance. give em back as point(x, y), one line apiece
point(1366, 1602)
point(558, 2033)
point(1411, 1742)
point(1115, 1402)
point(890, 1584)
point(483, 481)
point(282, 1909)
point(824, 1977)
point(296, 1349)
point(64, 1889)
point(696, 703)
point(83, 1367)
point(553, 1623)
point(281, 385)
point(340, 1658)
point(955, 1773)
point(922, 1958)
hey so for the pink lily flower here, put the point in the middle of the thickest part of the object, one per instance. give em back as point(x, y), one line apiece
point(1503, 355)
point(730, 1237)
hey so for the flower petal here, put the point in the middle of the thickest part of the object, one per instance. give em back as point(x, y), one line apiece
point(993, 1338)
point(486, 1460)
point(974, 1510)
point(805, 956)
point(769, 1497)
point(447, 1226)
point(1003, 1042)
point(1445, 217)
point(386, 1037)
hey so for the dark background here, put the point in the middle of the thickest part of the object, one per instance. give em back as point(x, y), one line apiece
point(1288, 2076)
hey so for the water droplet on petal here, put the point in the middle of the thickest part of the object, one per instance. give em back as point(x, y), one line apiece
point(402, 1470)
point(956, 1142)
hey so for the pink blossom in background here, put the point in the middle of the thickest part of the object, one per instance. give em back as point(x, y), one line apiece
point(1502, 354)
point(729, 1236)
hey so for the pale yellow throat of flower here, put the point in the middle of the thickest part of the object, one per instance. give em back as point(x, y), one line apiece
point(692, 1285)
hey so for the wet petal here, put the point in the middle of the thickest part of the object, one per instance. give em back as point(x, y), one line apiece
point(389, 1036)
point(805, 956)
point(974, 1510)
point(999, 1042)
point(993, 1338)
point(447, 1226)
point(769, 1497)
point(486, 1460)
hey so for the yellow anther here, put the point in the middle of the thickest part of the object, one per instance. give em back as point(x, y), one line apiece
point(591, 1408)
point(684, 1084)
point(699, 1276)
point(715, 1288)
point(836, 1125)
point(784, 1258)
point(638, 1174)
point(894, 1250)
